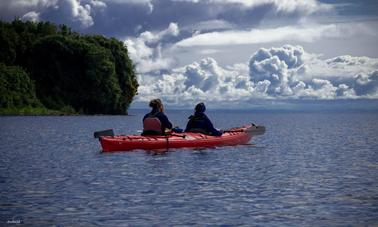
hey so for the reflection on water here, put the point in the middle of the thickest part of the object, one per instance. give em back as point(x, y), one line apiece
point(309, 168)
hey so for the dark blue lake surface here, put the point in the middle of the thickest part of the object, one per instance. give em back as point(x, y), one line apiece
point(308, 169)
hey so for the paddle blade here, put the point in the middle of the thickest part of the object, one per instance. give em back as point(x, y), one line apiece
point(256, 130)
point(108, 132)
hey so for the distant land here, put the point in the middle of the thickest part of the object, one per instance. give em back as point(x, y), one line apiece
point(49, 69)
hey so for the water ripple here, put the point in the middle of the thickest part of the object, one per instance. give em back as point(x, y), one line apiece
point(309, 169)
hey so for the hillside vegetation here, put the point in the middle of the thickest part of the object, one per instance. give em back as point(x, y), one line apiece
point(46, 68)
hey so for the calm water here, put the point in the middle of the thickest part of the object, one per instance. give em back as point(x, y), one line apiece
point(308, 169)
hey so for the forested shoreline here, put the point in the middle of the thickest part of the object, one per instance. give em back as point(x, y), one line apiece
point(49, 69)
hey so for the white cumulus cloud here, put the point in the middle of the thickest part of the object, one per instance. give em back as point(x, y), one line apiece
point(277, 73)
point(146, 50)
point(74, 12)
point(277, 65)
point(367, 84)
point(31, 16)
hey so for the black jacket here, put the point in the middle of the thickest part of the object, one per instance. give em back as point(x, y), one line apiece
point(199, 122)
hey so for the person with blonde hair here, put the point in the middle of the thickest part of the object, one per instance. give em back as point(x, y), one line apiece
point(156, 122)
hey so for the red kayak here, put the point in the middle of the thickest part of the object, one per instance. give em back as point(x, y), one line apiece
point(231, 137)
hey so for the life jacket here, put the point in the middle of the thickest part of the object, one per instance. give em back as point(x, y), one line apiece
point(152, 125)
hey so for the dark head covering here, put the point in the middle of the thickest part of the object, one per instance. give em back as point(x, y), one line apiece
point(200, 107)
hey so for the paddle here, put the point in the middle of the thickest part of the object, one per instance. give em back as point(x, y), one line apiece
point(107, 132)
point(254, 131)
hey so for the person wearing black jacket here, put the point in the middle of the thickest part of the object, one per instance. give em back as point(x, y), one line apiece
point(156, 122)
point(199, 122)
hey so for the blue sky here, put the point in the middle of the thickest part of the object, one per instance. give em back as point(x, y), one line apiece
point(233, 53)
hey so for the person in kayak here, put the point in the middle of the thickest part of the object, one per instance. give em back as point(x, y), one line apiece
point(199, 122)
point(156, 122)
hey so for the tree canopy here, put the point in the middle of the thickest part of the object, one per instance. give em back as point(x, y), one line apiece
point(63, 70)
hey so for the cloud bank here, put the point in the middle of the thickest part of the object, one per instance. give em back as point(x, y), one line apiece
point(279, 34)
point(129, 17)
point(277, 73)
point(78, 14)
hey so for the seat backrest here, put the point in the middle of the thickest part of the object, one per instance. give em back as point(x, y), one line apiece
point(152, 124)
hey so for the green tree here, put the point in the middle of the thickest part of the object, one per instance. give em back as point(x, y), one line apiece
point(16, 88)
point(72, 72)
point(8, 41)
point(123, 66)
